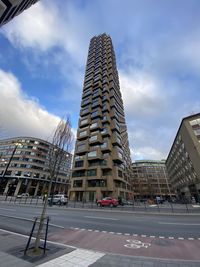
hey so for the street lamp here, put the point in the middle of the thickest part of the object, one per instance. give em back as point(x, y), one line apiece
point(10, 159)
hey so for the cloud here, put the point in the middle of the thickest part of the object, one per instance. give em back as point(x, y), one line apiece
point(20, 114)
point(140, 93)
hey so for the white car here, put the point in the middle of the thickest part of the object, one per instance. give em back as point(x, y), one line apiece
point(23, 195)
point(59, 199)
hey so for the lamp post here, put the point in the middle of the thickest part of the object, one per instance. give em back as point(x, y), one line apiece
point(10, 159)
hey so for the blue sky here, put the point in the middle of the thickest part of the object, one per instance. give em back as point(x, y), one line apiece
point(43, 53)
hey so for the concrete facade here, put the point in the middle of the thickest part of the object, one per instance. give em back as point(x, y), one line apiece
point(102, 162)
point(24, 167)
point(183, 162)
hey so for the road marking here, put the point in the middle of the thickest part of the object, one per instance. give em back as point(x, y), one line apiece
point(192, 224)
point(152, 236)
point(104, 232)
point(171, 237)
point(143, 236)
point(161, 237)
point(135, 244)
point(101, 218)
point(135, 234)
point(110, 232)
point(180, 238)
point(126, 234)
point(27, 236)
point(119, 233)
point(7, 209)
point(190, 238)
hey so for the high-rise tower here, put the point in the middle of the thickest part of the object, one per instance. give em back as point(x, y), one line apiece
point(102, 163)
point(11, 8)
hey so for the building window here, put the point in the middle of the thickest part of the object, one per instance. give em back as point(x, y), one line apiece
point(83, 133)
point(92, 172)
point(97, 183)
point(84, 121)
point(81, 147)
point(79, 163)
point(93, 125)
point(92, 154)
point(93, 138)
point(78, 183)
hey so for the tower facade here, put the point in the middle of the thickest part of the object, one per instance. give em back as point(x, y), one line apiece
point(102, 163)
point(11, 8)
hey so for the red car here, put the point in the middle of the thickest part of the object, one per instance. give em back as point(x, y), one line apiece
point(107, 201)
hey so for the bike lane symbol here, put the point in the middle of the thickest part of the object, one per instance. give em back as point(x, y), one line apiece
point(135, 244)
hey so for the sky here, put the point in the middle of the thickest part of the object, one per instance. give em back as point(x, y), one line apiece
point(43, 53)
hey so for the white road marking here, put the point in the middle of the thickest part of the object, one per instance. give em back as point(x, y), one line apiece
point(27, 236)
point(190, 238)
point(171, 237)
point(7, 209)
point(189, 224)
point(126, 234)
point(180, 238)
point(152, 236)
point(101, 218)
point(161, 237)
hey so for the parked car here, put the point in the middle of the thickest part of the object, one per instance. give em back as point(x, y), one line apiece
point(107, 201)
point(59, 199)
point(23, 195)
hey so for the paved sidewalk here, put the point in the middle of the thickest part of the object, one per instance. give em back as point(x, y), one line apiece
point(12, 246)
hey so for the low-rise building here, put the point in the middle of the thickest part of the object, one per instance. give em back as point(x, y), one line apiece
point(183, 161)
point(150, 179)
point(24, 167)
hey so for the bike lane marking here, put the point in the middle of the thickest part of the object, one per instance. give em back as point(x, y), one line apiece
point(106, 242)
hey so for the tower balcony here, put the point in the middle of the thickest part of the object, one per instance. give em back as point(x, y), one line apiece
point(94, 154)
point(95, 139)
point(106, 132)
point(117, 155)
point(83, 134)
point(106, 146)
point(84, 121)
point(85, 111)
point(95, 125)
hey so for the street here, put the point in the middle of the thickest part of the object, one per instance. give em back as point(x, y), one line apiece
point(20, 220)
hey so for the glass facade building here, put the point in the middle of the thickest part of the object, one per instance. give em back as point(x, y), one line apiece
point(102, 163)
point(150, 179)
point(24, 167)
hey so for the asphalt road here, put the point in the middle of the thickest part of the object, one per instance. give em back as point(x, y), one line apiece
point(19, 219)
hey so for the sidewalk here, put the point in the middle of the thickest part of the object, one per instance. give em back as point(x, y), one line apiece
point(12, 246)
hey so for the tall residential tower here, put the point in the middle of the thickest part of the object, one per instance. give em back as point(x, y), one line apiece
point(102, 162)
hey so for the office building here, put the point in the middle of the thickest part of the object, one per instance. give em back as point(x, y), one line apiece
point(150, 179)
point(102, 163)
point(24, 167)
point(11, 8)
point(183, 162)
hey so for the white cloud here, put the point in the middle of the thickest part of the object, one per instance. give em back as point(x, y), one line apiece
point(140, 93)
point(149, 152)
point(20, 114)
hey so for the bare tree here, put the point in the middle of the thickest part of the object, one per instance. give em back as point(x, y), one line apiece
point(61, 143)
